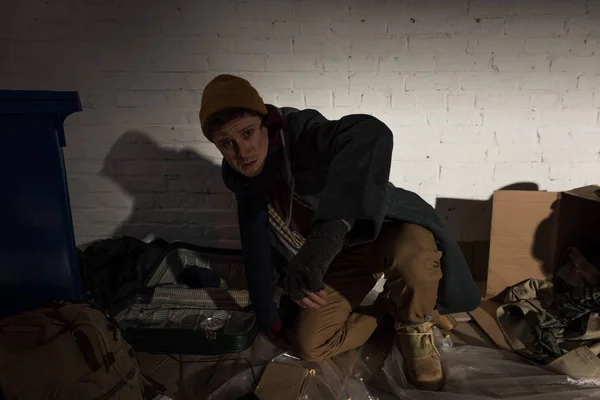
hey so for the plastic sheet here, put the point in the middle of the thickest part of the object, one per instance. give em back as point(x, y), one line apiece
point(332, 379)
point(475, 373)
point(325, 383)
point(329, 380)
point(231, 377)
point(238, 386)
point(472, 373)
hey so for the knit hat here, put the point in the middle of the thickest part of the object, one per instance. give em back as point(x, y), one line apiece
point(228, 91)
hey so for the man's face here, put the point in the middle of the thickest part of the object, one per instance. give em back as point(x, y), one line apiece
point(244, 143)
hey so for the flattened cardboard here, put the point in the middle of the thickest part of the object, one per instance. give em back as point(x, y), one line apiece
point(522, 242)
point(580, 363)
point(481, 255)
point(485, 317)
point(591, 192)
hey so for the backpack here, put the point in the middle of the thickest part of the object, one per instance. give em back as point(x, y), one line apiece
point(66, 351)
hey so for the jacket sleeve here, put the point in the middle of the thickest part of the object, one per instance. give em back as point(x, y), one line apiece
point(356, 151)
point(256, 251)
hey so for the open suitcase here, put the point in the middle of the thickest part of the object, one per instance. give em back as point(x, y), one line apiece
point(173, 318)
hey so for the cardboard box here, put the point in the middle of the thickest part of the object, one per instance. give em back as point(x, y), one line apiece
point(579, 222)
point(531, 228)
point(477, 254)
point(485, 317)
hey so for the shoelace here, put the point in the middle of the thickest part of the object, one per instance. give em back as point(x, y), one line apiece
point(421, 334)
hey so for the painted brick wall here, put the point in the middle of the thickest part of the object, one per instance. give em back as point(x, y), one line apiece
point(480, 94)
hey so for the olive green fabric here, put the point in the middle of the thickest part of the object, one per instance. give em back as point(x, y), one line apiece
point(544, 321)
point(565, 323)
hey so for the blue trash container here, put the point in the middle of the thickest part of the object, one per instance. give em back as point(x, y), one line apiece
point(38, 256)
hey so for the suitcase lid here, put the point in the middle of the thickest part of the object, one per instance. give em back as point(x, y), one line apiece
point(228, 263)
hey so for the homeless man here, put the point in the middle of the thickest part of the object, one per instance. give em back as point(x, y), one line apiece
point(318, 192)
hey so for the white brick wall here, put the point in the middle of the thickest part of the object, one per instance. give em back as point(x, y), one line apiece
point(480, 94)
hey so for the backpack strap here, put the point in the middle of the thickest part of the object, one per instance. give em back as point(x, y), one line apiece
point(83, 341)
point(86, 348)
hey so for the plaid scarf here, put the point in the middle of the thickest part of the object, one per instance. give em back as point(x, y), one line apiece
point(291, 240)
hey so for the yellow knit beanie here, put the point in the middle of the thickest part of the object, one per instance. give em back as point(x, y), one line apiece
point(228, 91)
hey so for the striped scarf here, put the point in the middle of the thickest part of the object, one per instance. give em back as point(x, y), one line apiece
point(290, 239)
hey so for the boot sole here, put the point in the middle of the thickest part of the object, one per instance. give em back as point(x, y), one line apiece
point(423, 386)
point(431, 387)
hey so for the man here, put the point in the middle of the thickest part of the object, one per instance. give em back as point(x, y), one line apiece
point(318, 192)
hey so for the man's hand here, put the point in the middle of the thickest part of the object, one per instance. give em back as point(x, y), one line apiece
point(304, 280)
point(305, 286)
point(313, 300)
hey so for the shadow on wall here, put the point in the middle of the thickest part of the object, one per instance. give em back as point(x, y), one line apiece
point(543, 245)
point(472, 218)
point(177, 193)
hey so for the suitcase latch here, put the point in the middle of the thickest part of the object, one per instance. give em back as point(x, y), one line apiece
point(210, 326)
point(210, 334)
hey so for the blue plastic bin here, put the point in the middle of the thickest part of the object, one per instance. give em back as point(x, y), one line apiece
point(38, 258)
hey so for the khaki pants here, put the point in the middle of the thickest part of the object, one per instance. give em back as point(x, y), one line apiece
point(409, 257)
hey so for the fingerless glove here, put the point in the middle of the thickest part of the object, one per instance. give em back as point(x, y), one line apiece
point(307, 268)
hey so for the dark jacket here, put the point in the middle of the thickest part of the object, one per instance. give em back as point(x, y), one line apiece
point(341, 168)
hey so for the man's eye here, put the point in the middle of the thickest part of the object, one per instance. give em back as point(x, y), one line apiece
point(226, 144)
point(249, 132)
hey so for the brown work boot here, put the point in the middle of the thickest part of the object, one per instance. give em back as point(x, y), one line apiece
point(421, 357)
